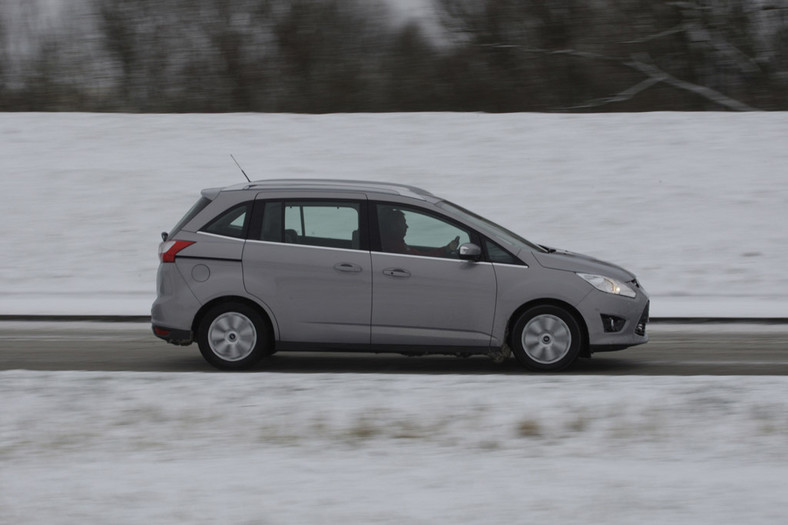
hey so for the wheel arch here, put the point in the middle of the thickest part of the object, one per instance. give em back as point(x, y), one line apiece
point(574, 312)
point(236, 299)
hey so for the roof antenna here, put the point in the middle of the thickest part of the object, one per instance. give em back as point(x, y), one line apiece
point(240, 168)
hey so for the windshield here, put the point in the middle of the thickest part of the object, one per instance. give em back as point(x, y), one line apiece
point(486, 226)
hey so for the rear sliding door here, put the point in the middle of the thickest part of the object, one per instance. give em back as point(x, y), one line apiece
point(310, 268)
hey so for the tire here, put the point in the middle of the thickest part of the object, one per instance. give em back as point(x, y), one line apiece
point(233, 336)
point(546, 338)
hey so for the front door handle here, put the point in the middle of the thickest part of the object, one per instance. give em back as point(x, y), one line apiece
point(396, 272)
point(347, 267)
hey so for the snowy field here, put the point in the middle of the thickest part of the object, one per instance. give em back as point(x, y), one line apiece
point(262, 448)
point(696, 204)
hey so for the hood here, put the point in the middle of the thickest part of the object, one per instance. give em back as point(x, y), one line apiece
point(576, 262)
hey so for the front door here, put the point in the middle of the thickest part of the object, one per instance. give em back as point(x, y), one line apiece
point(423, 293)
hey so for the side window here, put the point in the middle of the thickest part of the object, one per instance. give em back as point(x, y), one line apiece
point(499, 255)
point(408, 231)
point(231, 223)
point(327, 224)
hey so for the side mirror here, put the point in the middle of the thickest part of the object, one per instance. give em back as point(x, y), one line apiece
point(470, 252)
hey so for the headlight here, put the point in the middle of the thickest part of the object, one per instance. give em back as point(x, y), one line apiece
point(607, 285)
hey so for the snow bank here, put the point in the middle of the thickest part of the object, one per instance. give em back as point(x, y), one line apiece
point(348, 448)
point(696, 204)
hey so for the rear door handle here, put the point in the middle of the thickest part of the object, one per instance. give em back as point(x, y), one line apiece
point(396, 272)
point(347, 267)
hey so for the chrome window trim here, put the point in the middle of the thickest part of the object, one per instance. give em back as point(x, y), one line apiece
point(220, 236)
point(354, 250)
point(430, 257)
point(373, 252)
point(524, 265)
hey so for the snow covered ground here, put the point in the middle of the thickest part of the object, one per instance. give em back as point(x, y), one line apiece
point(696, 204)
point(267, 448)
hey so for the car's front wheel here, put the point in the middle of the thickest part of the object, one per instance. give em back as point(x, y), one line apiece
point(546, 338)
point(233, 336)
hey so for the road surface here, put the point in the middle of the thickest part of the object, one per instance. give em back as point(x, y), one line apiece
point(707, 349)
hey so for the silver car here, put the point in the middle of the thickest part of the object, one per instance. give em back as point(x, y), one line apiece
point(280, 265)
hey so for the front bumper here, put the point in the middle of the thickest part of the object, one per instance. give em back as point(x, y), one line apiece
point(615, 322)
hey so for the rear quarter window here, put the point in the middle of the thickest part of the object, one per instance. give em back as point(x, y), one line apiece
point(231, 223)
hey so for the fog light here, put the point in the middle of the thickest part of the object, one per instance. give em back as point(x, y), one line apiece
point(640, 329)
point(612, 323)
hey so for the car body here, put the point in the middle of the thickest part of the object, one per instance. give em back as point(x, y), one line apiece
point(300, 264)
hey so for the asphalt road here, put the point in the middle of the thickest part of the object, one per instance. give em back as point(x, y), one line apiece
point(708, 349)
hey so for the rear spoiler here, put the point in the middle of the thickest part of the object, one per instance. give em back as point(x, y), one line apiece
point(211, 193)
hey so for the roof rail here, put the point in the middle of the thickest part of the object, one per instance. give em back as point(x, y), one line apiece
point(336, 184)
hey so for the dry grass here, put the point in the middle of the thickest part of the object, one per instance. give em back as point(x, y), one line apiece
point(529, 428)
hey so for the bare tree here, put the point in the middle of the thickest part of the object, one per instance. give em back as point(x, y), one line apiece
point(328, 52)
point(348, 55)
point(3, 66)
point(581, 55)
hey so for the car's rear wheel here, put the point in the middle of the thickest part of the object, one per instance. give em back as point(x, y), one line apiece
point(233, 336)
point(546, 338)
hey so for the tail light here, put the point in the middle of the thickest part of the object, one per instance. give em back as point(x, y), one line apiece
point(169, 249)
